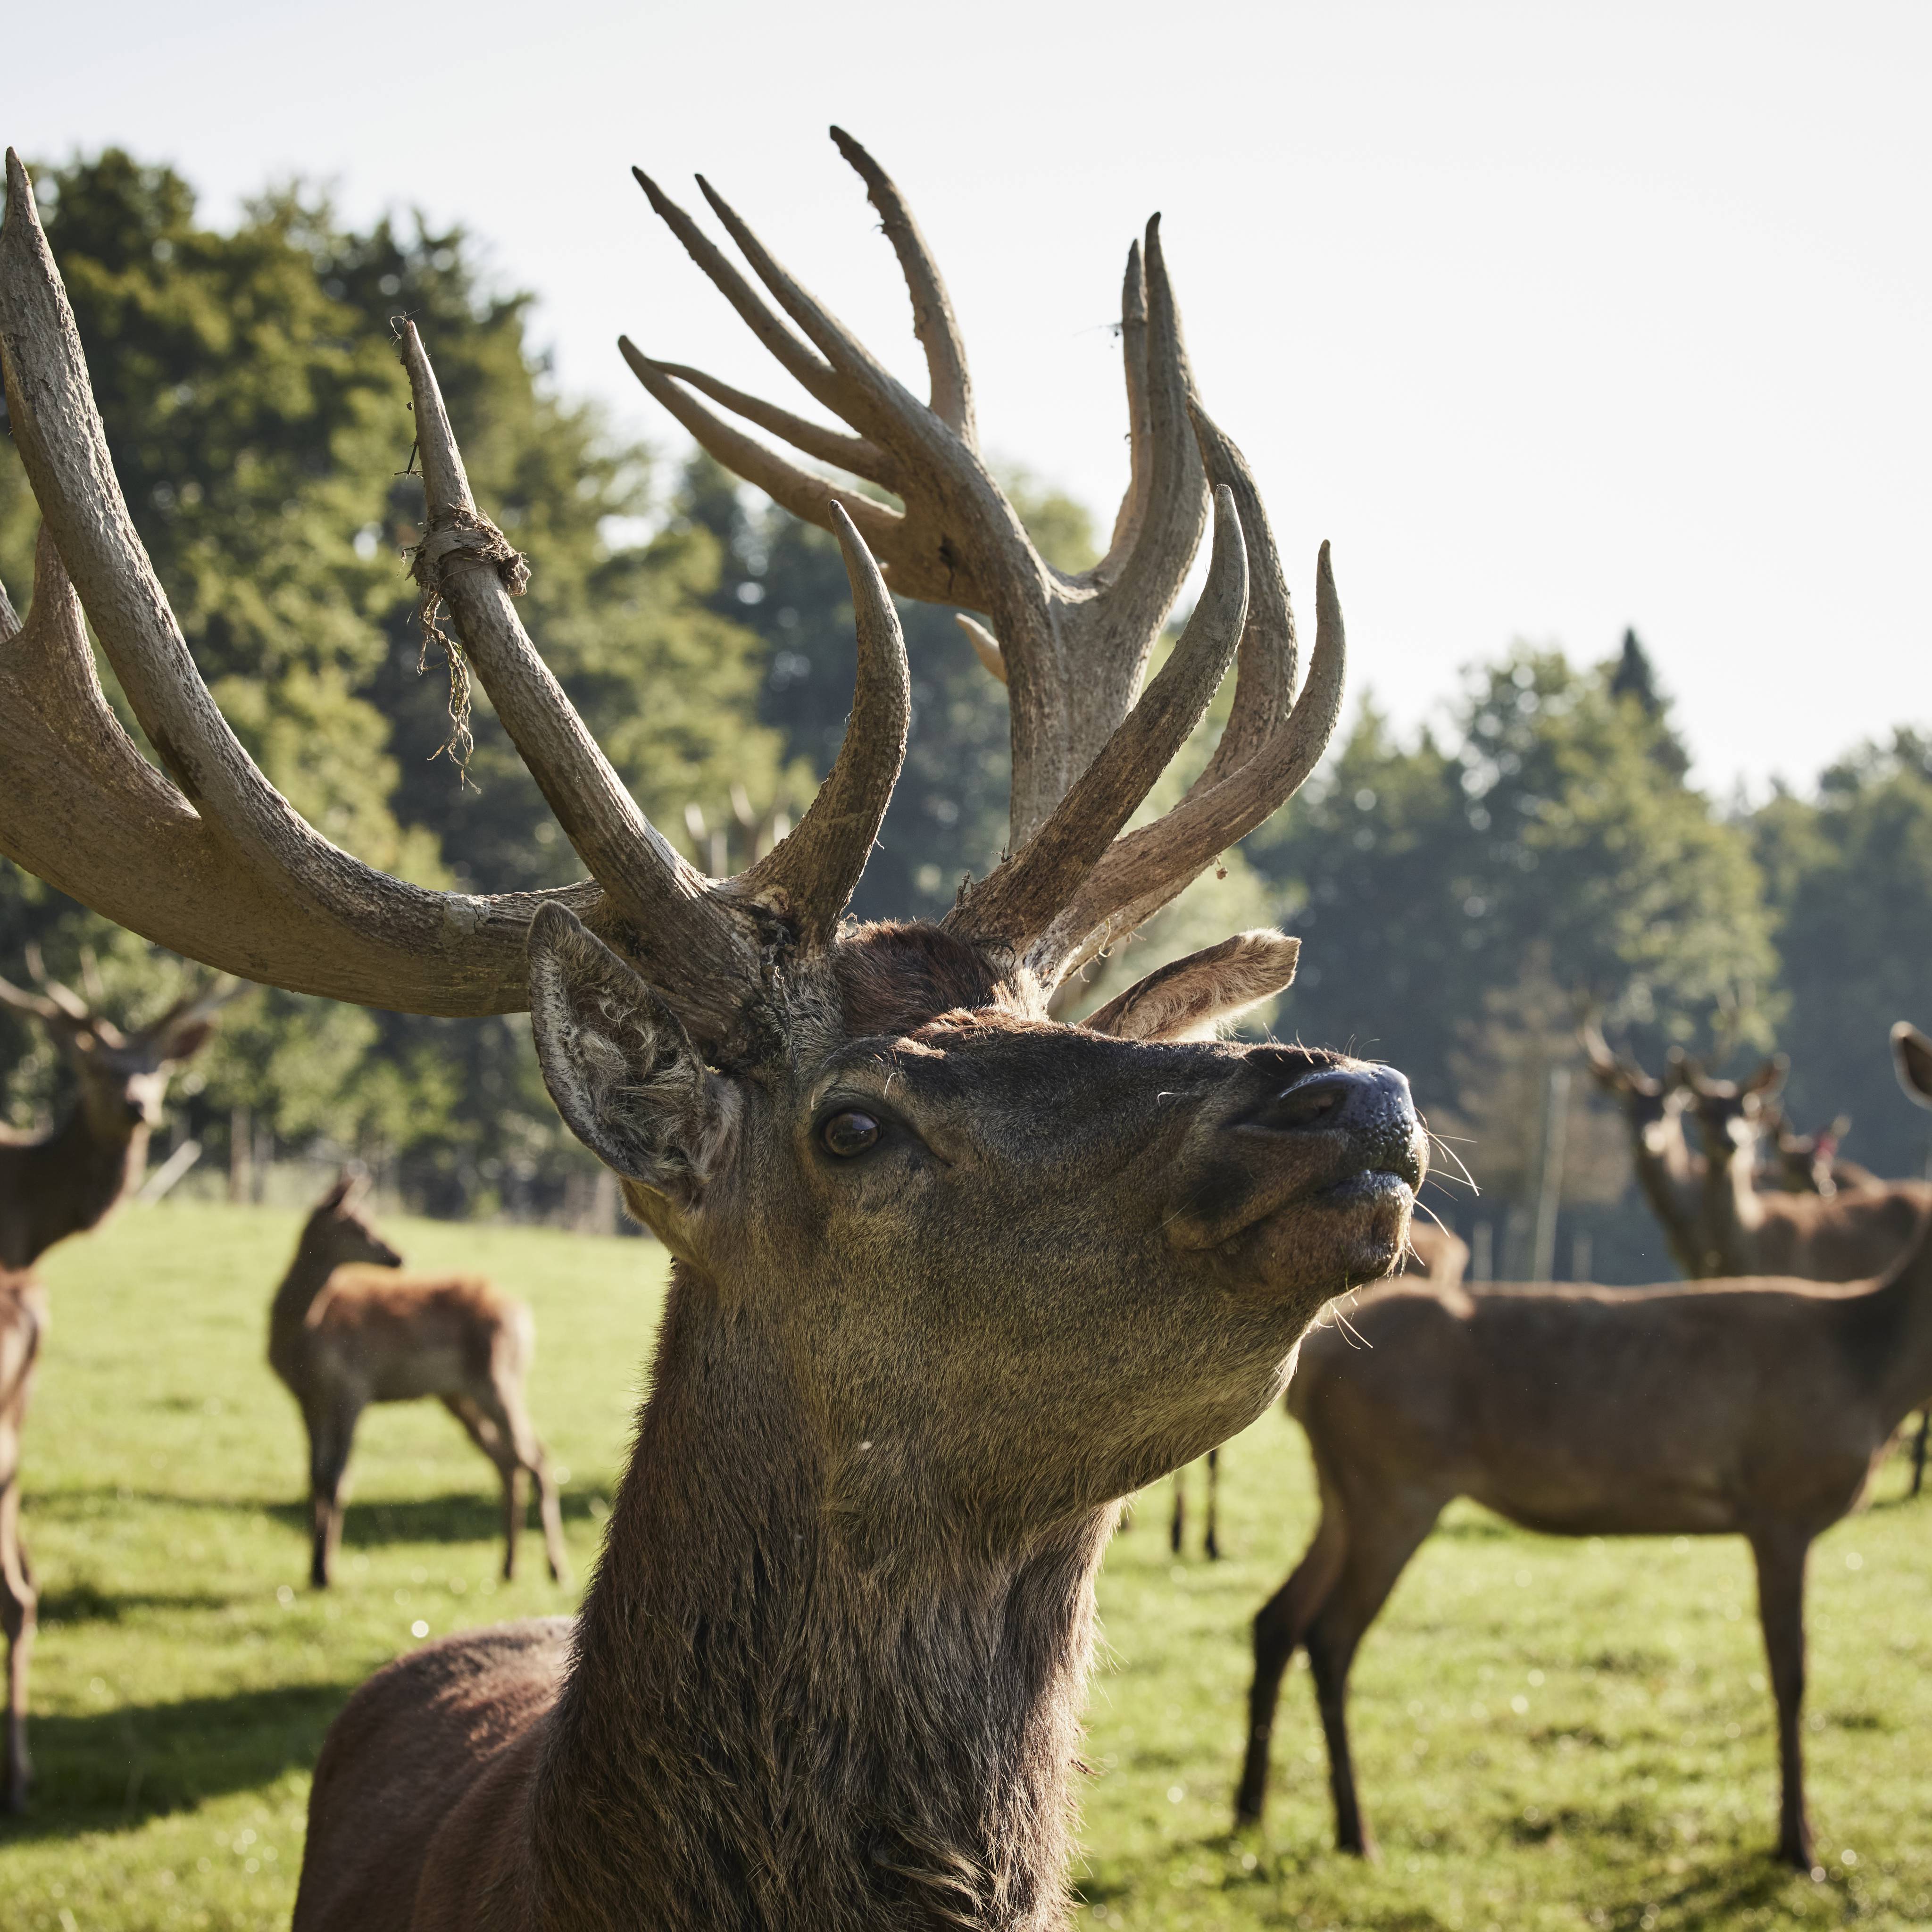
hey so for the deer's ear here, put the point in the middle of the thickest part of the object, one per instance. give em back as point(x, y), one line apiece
point(624, 1075)
point(1912, 1055)
point(1193, 997)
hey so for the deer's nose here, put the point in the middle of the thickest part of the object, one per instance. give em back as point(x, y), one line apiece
point(1371, 1102)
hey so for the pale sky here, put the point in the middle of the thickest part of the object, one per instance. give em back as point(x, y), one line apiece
point(1554, 318)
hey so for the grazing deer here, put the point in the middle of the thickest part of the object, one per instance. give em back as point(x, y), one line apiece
point(54, 1185)
point(1436, 1253)
point(63, 1183)
point(346, 1330)
point(949, 1278)
point(1756, 1408)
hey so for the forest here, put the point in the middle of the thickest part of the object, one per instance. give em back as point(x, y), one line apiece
point(1464, 894)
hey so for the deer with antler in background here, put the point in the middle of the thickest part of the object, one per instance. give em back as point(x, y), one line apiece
point(950, 1278)
point(1760, 1408)
point(53, 1185)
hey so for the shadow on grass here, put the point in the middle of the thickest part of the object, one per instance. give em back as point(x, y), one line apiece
point(115, 1769)
point(86, 1602)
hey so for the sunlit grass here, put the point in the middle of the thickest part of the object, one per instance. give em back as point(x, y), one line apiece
point(1549, 1733)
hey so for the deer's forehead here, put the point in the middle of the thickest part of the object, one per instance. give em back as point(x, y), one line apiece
point(996, 1057)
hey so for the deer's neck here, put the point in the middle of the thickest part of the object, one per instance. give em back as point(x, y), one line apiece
point(1735, 1213)
point(1889, 1332)
point(308, 1274)
point(763, 1729)
point(1673, 1185)
point(64, 1184)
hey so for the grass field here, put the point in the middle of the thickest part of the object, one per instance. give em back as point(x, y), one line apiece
point(1550, 1734)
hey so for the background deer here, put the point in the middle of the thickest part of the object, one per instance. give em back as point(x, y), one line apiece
point(346, 1329)
point(1757, 1408)
point(950, 1279)
point(62, 1182)
point(1668, 1169)
point(53, 1185)
point(1851, 1234)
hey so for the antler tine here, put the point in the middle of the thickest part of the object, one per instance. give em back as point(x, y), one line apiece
point(1140, 873)
point(1017, 902)
point(817, 378)
point(851, 453)
point(806, 496)
point(811, 873)
point(933, 320)
point(65, 1000)
point(222, 869)
point(693, 949)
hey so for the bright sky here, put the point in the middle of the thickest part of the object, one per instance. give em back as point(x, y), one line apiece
point(1554, 317)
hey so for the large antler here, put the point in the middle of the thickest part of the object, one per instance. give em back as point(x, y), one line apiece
point(1072, 650)
point(217, 864)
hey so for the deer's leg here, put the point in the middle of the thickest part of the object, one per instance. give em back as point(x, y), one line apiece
point(1279, 1626)
point(332, 1430)
point(1780, 1556)
point(531, 1455)
point(1177, 1528)
point(1380, 1544)
point(1918, 1451)
point(19, 1604)
point(1213, 1544)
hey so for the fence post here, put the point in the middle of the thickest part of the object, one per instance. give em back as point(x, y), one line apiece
point(1549, 1172)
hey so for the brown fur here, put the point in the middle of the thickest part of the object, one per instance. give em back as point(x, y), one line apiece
point(829, 1671)
point(346, 1330)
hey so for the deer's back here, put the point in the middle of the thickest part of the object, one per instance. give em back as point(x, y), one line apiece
point(399, 1336)
point(429, 1768)
point(1589, 1411)
point(1845, 1237)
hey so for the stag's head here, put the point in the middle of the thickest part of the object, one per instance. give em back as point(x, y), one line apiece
point(1027, 1264)
point(1653, 1108)
point(122, 1073)
point(1733, 1115)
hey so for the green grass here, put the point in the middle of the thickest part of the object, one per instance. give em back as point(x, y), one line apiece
point(1549, 1734)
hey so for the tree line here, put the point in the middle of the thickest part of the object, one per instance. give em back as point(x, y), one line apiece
point(1460, 892)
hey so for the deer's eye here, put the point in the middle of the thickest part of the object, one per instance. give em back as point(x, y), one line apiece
point(849, 1133)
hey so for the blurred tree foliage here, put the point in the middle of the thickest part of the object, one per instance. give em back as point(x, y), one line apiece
point(1850, 878)
point(258, 420)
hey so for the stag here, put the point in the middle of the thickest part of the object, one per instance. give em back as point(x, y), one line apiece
point(1811, 1163)
point(1761, 1408)
point(1668, 1170)
point(346, 1329)
point(53, 1185)
point(949, 1278)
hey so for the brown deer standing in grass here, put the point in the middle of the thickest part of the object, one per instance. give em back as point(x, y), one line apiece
point(53, 1185)
point(950, 1279)
point(1756, 1408)
point(346, 1329)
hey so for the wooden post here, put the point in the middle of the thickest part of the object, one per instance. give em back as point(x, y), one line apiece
point(1549, 1172)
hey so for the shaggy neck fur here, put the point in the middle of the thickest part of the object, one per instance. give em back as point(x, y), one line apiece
point(62, 1185)
point(1672, 1181)
point(764, 1729)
